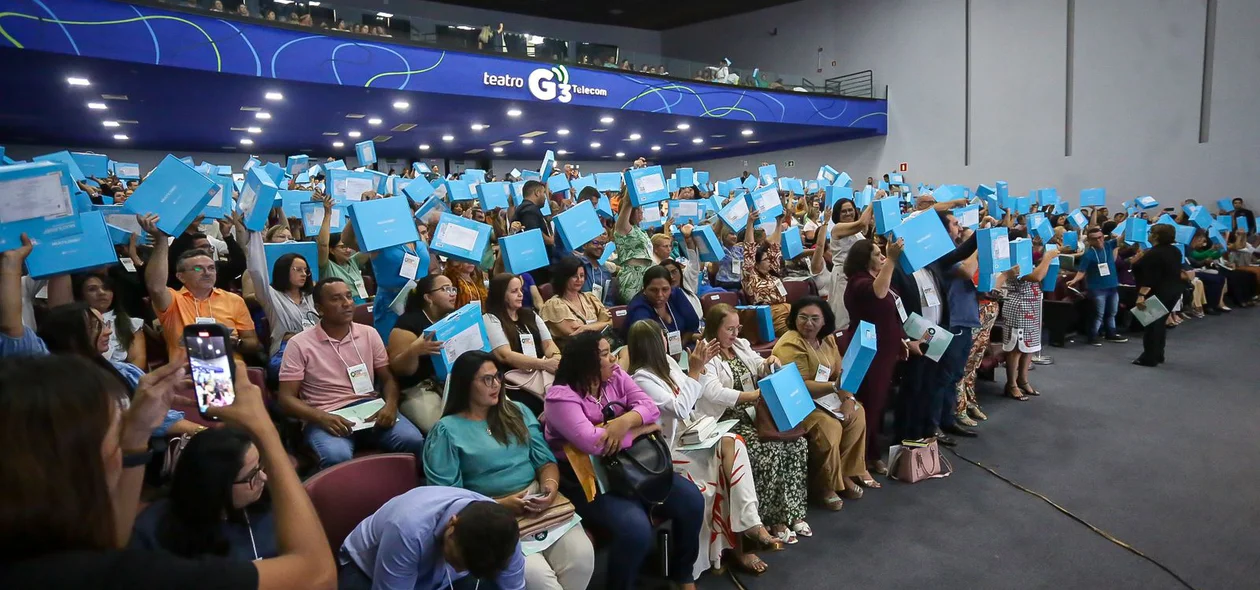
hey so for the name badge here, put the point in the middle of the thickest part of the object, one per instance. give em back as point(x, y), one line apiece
point(360, 379)
point(361, 289)
point(823, 374)
point(782, 289)
point(1104, 270)
point(307, 322)
point(901, 309)
point(929, 296)
point(128, 264)
point(527, 345)
point(736, 267)
point(590, 321)
point(410, 264)
point(201, 320)
point(675, 342)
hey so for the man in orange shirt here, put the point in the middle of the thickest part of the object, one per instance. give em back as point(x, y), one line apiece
point(198, 301)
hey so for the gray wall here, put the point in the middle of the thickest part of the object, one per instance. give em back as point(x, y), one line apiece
point(1138, 66)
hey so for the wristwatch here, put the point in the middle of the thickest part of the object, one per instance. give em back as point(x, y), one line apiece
point(137, 458)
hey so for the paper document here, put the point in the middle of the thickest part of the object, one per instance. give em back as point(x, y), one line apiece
point(217, 199)
point(831, 404)
point(1154, 310)
point(360, 413)
point(248, 199)
point(315, 216)
point(971, 218)
point(737, 211)
point(649, 184)
point(34, 197)
point(687, 209)
point(1002, 248)
point(768, 200)
point(469, 339)
point(651, 213)
point(355, 187)
point(723, 427)
point(938, 341)
point(457, 236)
point(124, 222)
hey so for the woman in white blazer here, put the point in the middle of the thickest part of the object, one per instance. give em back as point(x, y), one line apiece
point(778, 466)
point(720, 471)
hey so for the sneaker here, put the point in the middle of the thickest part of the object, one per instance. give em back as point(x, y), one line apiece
point(1093, 342)
point(1042, 360)
point(1116, 338)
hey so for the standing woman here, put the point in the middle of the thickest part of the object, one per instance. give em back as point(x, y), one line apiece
point(1158, 275)
point(336, 257)
point(869, 297)
point(1021, 318)
point(968, 405)
point(286, 300)
point(126, 342)
point(410, 352)
point(634, 249)
point(469, 281)
point(846, 232)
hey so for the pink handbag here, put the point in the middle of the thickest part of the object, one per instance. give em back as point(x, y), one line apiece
point(915, 461)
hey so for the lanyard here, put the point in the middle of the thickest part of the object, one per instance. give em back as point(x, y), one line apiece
point(337, 348)
point(250, 528)
point(197, 306)
point(673, 321)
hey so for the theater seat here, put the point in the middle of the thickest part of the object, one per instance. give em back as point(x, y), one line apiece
point(797, 289)
point(363, 314)
point(546, 291)
point(618, 313)
point(349, 492)
point(711, 299)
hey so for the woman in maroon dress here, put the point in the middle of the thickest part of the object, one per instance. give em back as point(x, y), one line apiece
point(870, 297)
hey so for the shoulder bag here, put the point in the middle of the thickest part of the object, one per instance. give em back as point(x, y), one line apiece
point(644, 470)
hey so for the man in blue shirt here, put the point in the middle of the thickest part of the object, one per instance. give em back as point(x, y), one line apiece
point(434, 537)
point(1097, 266)
point(596, 273)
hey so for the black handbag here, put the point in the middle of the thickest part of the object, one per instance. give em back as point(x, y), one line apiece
point(642, 471)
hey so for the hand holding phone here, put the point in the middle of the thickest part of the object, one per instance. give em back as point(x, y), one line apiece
point(209, 349)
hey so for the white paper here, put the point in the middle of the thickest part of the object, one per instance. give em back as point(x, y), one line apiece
point(651, 213)
point(469, 339)
point(217, 199)
point(687, 209)
point(248, 199)
point(410, 265)
point(34, 197)
point(649, 184)
point(125, 222)
point(355, 187)
point(831, 403)
point(1155, 310)
point(457, 236)
point(359, 413)
point(128, 264)
point(971, 218)
point(737, 211)
point(1001, 248)
point(768, 200)
point(723, 427)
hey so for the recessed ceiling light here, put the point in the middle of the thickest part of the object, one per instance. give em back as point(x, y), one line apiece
point(698, 140)
point(478, 126)
point(527, 141)
point(746, 132)
point(374, 121)
point(273, 96)
point(448, 138)
point(621, 154)
point(755, 141)
point(635, 137)
point(605, 119)
point(384, 15)
point(97, 106)
point(514, 112)
point(247, 141)
point(595, 144)
point(656, 148)
point(78, 81)
point(262, 115)
point(498, 150)
point(121, 137)
point(400, 104)
point(110, 123)
point(562, 152)
point(562, 132)
point(254, 129)
point(339, 144)
point(424, 146)
point(684, 126)
point(353, 134)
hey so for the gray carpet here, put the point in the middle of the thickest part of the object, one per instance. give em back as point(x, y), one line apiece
point(1163, 459)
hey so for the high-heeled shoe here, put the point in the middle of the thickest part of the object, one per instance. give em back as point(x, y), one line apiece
point(976, 412)
point(965, 420)
point(1027, 388)
point(1013, 392)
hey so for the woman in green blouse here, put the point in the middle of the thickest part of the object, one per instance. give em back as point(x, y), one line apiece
point(494, 446)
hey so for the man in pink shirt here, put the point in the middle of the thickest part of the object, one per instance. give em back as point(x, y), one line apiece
point(335, 366)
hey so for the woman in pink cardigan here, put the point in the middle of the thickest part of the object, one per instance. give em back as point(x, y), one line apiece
point(587, 382)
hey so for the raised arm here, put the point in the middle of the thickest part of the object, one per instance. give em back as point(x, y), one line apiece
point(11, 288)
point(155, 272)
point(622, 226)
point(883, 280)
point(845, 229)
point(325, 229)
point(1039, 273)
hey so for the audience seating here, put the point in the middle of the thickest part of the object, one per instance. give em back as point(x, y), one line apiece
point(343, 497)
point(363, 314)
point(546, 291)
point(797, 289)
point(711, 299)
point(618, 313)
point(1060, 312)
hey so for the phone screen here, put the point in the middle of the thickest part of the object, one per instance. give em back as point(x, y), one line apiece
point(211, 369)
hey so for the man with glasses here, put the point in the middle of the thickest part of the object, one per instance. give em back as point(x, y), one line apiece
point(599, 277)
point(197, 301)
point(1097, 266)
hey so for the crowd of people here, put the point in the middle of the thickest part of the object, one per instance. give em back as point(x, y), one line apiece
point(93, 382)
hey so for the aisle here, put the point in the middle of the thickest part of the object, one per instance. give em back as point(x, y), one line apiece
point(1164, 459)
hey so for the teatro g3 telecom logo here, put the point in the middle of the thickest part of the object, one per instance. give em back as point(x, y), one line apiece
point(544, 84)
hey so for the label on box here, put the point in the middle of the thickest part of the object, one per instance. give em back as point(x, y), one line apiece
point(648, 184)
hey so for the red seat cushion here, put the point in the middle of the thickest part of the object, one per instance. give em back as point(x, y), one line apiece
point(349, 492)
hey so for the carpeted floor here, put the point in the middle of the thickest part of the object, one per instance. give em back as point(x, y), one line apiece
point(1162, 458)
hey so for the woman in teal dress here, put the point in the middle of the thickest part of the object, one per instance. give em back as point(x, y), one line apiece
point(494, 446)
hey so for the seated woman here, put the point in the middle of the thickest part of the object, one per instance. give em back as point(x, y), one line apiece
point(336, 257)
point(410, 352)
point(763, 265)
point(727, 272)
point(287, 299)
point(679, 276)
point(1202, 254)
point(682, 398)
point(661, 302)
point(595, 408)
point(570, 311)
point(520, 341)
point(468, 281)
point(837, 448)
point(126, 342)
point(493, 446)
point(217, 504)
point(779, 465)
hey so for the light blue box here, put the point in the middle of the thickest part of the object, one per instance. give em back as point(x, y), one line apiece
point(1049, 197)
point(786, 397)
point(418, 191)
point(1217, 238)
point(792, 185)
point(1023, 205)
point(604, 208)
point(1051, 281)
point(607, 182)
point(887, 215)
point(581, 182)
point(687, 211)
point(1225, 205)
point(609, 248)
point(708, 246)
point(790, 240)
point(735, 213)
point(1221, 223)
point(863, 198)
point(92, 164)
point(812, 186)
point(313, 217)
point(968, 216)
point(926, 240)
point(476, 175)
point(578, 225)
point(517, 192)
point(1165, 219)
point(646, 185)
point(1042, 230)
point(750, 184)
point(1119, 229)
point(1022, 256)
point(291, 202)
point(126, 170)
point(365, 151)
point(767, 203)
point(1094, 197)
point(558, 183)
point(1071, 240)
point(985, 190)
point(223, 170)
point(524, 251)
point(348, 185)
point(382, 182)
point(64, 157)
point(767, 174)
point(460, 238)
point(548, 166)
point(421, 169)
point(221, 204)
point(883, 186)
point(685, 176)
point(1242, 224)
point(297, 164)
point(1136, 230)
point(993, 249)
point(1199, 216)
point(1078, 220)
point(256, 199)
point(1146, 202)
point(671, 185)
point(307, 250)
point(764, 321)
point(381, 223)
point(725, 188)
point(250, 163)
point(843, 180)
point(827, 174)
point(176, 193)
point(275, 172)
point(456, 190)
point(18, 182)
point(62, 253)
point(895, 179)
point(187, 160)
point(460, 321)
point(1001, 192)
point(702, 178)
point(833, 195)
point(334, 165)
point(858, 357)
point(493, 195)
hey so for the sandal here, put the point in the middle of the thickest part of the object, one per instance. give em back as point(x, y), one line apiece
point(976, 413)
point(879, 467)
point(786, 536)
point(868, 482)
point(1026, 387)
point(763, 542)
point(802, 528)
point(832, 503)
point(750, 564)
point(853, 493)
point(1015, 393)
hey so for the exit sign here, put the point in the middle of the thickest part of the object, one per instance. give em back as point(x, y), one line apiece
point(903, 167)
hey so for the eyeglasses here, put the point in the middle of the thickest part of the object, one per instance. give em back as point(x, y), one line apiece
point(201, 269)
point(449, 290)
point(251, 479)
point(810, 319)
point(733, 330)
point(491, 380)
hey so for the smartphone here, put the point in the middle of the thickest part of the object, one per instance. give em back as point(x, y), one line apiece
point(210, 365)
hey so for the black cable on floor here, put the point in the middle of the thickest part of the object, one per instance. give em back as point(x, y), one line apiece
point(1098, 531)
